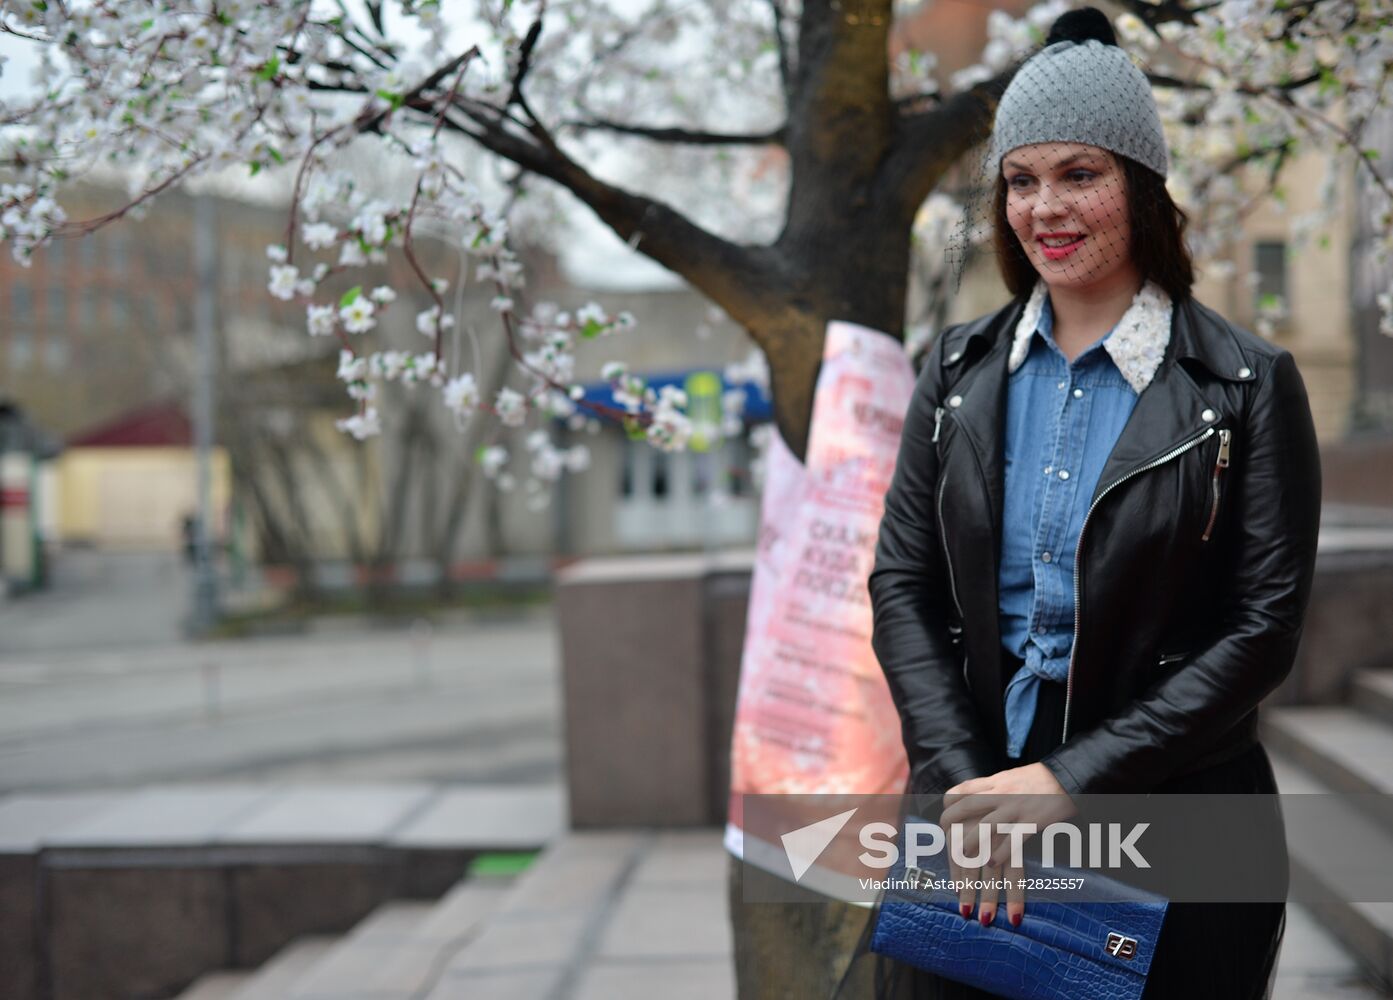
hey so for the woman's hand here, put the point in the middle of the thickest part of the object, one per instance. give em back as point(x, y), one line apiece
point(1028, 794)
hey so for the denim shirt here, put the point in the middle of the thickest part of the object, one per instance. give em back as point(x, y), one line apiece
point(1062, 421)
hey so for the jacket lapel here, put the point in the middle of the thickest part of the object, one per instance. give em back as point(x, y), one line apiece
point(1171, 410)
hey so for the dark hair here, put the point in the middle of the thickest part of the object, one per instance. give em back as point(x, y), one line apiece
point(1162, 257)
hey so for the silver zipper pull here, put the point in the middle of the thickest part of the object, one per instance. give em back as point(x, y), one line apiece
point(1223, 460)
point(938, 421)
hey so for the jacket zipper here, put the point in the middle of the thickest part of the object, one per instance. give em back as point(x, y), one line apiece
point(1078, 558)
point(943, 539)
point(1220, 464)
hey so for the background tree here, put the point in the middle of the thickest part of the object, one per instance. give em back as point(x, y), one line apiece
point(694, 95)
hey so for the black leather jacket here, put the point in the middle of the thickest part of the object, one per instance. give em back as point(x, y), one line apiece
point(1192, 575)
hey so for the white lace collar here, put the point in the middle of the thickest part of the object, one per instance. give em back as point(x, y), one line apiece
point(1136, 345)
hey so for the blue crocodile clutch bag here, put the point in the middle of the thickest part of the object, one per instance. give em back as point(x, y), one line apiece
point(1096, 950)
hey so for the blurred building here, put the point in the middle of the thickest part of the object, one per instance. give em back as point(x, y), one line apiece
point(25, 454)
point(130, 483)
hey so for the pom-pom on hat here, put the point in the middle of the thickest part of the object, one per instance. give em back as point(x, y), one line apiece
point(1081, 88)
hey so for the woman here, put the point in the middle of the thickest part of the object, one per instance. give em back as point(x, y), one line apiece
point(1098, 545)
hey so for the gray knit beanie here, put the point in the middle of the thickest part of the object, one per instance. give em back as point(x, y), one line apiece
point(1080, 88)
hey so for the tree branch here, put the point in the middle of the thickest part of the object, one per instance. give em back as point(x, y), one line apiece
point(729, 273)
point(785, 72)
point(680, 135)
point(529, 43)
point(929, 144)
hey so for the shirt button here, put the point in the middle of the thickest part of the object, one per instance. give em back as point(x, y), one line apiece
point(955, 401)
point(1046, 556)
point(1061, 385)
point(1209, 416)
point(955, 355)
point(1078, 394)
point(1049, 469)
point(1244, 372)
point(1039, 630)
point(1063, 473)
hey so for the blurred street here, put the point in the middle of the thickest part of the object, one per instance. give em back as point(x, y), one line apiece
point(98, 689)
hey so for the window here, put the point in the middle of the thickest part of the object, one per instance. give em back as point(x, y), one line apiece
point(116, 249)
point(1270, 291)
point(21, 349)
point(120, 310)
point(21, 304)
point(660, 464)
point(626, 470)
point(87, 307)
point(55, 350)
point(57, 304)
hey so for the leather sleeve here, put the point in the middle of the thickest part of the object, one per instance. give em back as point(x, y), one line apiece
point(912, 606)
point(1274, 518)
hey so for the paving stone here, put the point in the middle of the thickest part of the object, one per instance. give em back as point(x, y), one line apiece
point(355, 966)
point(1309, 949)
point(684, 858)
point(490, 818)
point(1346, 749)
point(671, 980)
point(390, 924)
point(28, 821)
point(361, 973)
point(460, 912)
point(523, 941)
point(276, 978)
point(577, 873)
point(1372, 692)
point(215, 986)
point(167, 816)
point(329, 815)
point(407, 970)
point(512, 984)
point(675, 921)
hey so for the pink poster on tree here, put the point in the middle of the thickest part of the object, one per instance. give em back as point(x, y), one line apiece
point(814, 714)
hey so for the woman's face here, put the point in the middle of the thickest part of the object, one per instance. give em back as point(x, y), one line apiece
point(1067, 204)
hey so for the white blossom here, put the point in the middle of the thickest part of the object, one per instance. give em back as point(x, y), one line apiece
point(351, 367)
point(320, 320)
point(461, 393)
point(319, 235)
point(492, 459)
point(426, 321)
point(511, 407)
point(357, 316)
point(284, 277)
point(362, 425)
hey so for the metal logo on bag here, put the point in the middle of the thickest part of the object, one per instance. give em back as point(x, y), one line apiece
point(1121, 947)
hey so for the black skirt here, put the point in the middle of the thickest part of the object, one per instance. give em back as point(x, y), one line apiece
point(1224, 951)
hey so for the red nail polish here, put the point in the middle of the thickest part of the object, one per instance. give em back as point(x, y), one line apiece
point(966, 910)
point(987, 917)
point(1015, 920)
